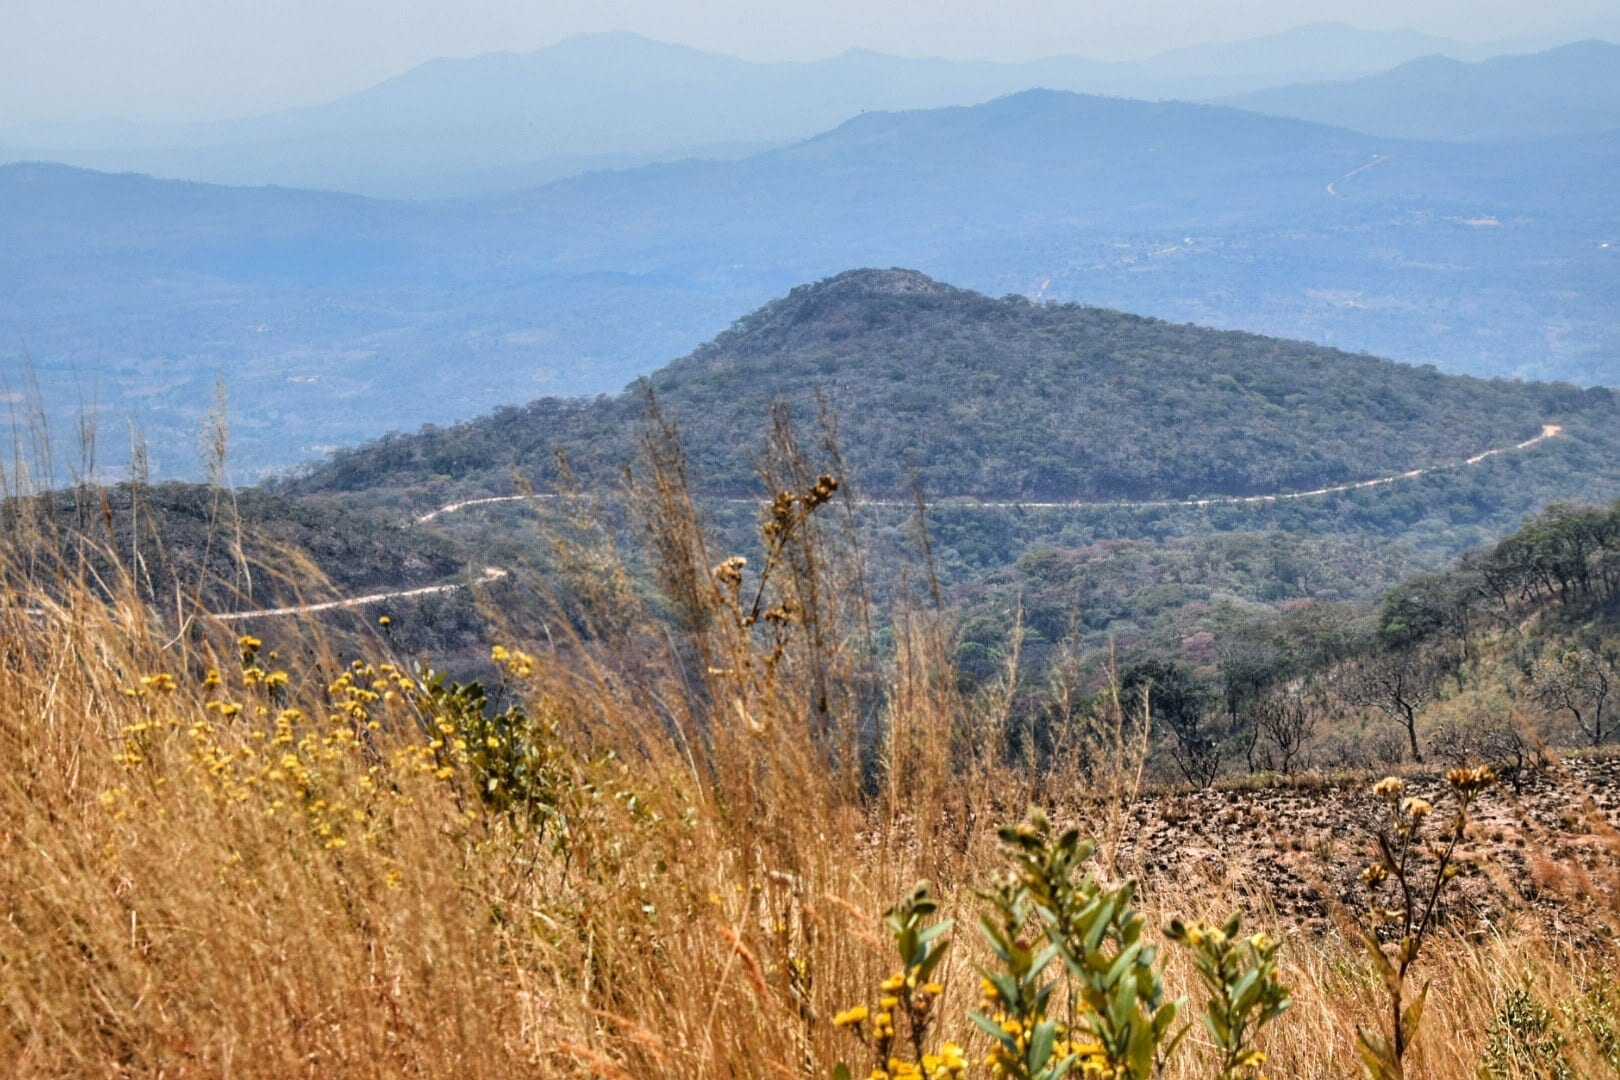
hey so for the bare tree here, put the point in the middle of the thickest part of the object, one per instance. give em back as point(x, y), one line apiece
point(1287, 724)
point(1397, 684)
point(1579, 682)
point(1506, 743)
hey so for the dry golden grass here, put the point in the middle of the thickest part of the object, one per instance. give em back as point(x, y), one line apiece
point(197, 882)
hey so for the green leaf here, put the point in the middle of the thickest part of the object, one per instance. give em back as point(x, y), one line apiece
point(1244, 984)
point(1141, 1053)
point(1165, 1016)
point(1169, 1045)
point(1124, 1003)
point(1375, 1057)
point(841, 1072)
point(1005, 985)
point(1099, 926)
point(1122, 963)
point(926, 968)
point(1042, 959)
point(999, 944)
point(1040, 1045)
point(993, 1029)
point(1375, 950)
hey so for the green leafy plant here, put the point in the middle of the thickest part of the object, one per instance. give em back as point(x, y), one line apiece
point(898, 1031)
point(1597, 1014)
point(1119, 1021)
point(1017, 995)
point(1523, 1039)
point(1245, 993)
point(513, 760)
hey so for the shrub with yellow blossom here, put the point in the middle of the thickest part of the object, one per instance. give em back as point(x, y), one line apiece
point(898, 1032)
point(513, 760)
point(1052, 925)
point(1119, 1023)
point(1404, 849)
point(1244, 991)
point(1028, 1045)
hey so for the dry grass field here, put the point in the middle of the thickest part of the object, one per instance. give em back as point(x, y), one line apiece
point(654, 854)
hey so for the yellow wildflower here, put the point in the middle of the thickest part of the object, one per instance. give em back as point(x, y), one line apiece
point(851, 1017)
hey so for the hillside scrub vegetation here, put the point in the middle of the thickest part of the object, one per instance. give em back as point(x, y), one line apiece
point(194, 535)
point(1186, 212)
point(1513, 648)
point(1000, 400)
point(922, 386)
point(684, 838)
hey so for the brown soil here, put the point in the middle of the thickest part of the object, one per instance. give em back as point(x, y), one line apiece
point(1551, 851)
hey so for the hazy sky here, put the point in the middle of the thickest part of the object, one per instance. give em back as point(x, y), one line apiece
point(79, 59)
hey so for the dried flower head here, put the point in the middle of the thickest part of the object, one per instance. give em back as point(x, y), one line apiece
point(1390, 787)
point(1471, 781)
point(1415, 807)
point(729, 572)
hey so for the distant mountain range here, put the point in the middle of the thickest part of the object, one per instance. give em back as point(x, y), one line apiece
point(1565, 91)
point(505, 121)
point(335, 318)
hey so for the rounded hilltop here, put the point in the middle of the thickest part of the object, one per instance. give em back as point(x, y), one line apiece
point(1004, 400)
point(868, 282)
point(851, 290)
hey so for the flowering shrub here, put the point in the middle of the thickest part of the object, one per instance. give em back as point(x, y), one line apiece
point(1119, 1023)
point(1244, 991)
point(1404, 850)
point(1053, 926)
point(512, 760)
point(898, 1032)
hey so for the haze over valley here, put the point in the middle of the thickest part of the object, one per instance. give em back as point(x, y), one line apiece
point(337, 317)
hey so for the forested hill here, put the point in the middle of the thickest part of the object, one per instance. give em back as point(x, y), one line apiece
point(1003, 399)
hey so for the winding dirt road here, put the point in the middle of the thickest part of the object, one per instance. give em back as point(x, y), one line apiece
point(1548, 431)
point(493, 573)
point(1333, 187)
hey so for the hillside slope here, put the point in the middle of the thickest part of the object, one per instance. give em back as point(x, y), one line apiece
point(1003, 399)
point(225, 550)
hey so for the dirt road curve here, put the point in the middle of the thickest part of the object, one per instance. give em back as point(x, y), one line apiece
point(494, 573)
point(491, 573)
point(1548, 431)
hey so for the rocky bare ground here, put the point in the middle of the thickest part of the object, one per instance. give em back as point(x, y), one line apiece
point(1550, 851)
